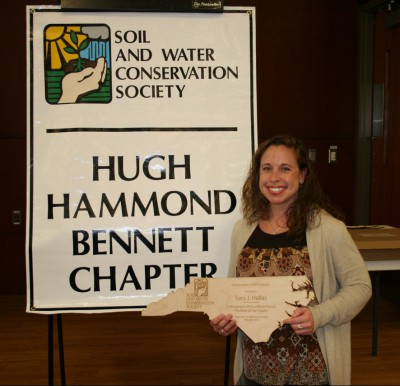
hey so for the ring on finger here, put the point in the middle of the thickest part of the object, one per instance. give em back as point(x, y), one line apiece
point(222, 332)
point(299, 327)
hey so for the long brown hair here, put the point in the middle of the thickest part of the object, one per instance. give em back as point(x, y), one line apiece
point(310, 199)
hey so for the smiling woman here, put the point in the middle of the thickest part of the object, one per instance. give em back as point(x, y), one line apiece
point(280, 181)
point(289, 228)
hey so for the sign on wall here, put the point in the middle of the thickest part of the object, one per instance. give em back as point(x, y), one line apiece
point(140, 131)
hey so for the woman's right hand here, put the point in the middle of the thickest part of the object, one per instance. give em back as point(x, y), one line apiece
point(224, 324)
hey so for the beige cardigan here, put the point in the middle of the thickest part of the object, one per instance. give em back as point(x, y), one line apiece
point(342, 286)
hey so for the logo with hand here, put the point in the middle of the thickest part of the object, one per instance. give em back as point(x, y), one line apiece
point(77, 64)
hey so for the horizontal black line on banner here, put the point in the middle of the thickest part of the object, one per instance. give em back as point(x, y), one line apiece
point(136, 129)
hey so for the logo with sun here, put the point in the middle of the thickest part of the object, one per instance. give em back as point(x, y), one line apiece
point(77, 63)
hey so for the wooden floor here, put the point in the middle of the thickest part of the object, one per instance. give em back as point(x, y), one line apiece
point(179, 349)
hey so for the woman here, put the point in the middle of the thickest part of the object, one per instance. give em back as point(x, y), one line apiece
point(289, 228)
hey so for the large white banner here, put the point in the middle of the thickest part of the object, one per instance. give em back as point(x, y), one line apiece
point(140, 127)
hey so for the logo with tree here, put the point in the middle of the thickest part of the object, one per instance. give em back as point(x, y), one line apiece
point(77, 63)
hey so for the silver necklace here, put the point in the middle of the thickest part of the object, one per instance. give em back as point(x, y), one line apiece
point(276, 230)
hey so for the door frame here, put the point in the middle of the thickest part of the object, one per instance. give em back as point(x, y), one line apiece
point(365, 99)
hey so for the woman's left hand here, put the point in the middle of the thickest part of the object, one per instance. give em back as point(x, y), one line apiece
point(302, 321)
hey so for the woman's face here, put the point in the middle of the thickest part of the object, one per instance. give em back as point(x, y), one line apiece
point(280, 176)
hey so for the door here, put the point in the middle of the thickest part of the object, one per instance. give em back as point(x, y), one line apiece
point(385, 146)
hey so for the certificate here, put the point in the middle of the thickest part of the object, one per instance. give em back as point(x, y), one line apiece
point(258, 304)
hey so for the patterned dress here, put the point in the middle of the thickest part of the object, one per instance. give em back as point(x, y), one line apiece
point(286, 358)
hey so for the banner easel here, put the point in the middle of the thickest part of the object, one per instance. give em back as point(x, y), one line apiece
point(214, 6)
point(51, 349)
point(227, 359)
point(61, 352)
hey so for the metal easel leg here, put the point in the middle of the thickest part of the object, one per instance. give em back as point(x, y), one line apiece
point(227, 359)
point(61, 349)
point(51, 349)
